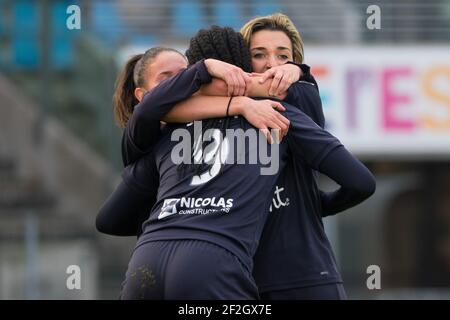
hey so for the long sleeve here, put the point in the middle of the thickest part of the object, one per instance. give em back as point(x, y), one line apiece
point(124, 211)
point(351, 193)
point(304, 97)
point(323, 152)
point(306, 73)
point(356, 182)
point(130, 204)
point(143, 128)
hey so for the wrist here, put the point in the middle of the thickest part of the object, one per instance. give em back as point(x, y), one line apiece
point(207, 63)
point(237, 106)
point(302, 69)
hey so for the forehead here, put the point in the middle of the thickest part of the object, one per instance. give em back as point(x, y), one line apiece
point(270, 39)
point(168, 60)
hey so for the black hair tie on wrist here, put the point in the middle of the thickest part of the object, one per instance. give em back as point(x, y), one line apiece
point(228, 107)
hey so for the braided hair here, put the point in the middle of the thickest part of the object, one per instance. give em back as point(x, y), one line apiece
point(224, 44)
point(219, 43)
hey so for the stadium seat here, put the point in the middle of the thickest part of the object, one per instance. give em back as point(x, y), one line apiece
point(62, 38)
point(106, 21)
point(228, 13)
point(25, 44)
point(187, 18)
point(265, 7)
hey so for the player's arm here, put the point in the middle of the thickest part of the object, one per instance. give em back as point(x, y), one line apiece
point(303, 94)
point(356, 181)
point(306, 74)
point(254, 88)
point(123, 212)
point(142, 130)
point(323, 152)
point(283, 76)
point(211, 102)
point(199, 108)
point(130, 204)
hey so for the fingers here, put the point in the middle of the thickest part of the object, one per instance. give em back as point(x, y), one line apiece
point(280, 125)
point(284, 124)
point(230, 84)
point(275, 121)
point(275, 131)
point(283, 76)
point(273, 90)
point(294, 72)
point(248, 82)
point(267, 134)
point(235, 78)
point(241, 83)
point(237, 84)
point(282, 121)
point(285, 121)
point(237, 81)
point(276, 105)
point(284, 85)
point(266, 75)
point(277, 134)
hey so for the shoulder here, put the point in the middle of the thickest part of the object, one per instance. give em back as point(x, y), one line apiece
point(304, 87)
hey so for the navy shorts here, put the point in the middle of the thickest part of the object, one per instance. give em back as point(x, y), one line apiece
point(333, 291)
point(186, 270)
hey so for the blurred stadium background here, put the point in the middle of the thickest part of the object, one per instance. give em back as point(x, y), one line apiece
point(385, 95)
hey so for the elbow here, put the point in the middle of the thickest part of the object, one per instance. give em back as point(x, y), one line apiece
point(101, 225)
point(367, 186)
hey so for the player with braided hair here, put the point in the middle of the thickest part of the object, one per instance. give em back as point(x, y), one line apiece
point(294, 236)
point(200, 238)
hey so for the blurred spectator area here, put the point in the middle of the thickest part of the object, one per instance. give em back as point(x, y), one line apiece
point(121, 22)
point(60, 149)
point(77, 68)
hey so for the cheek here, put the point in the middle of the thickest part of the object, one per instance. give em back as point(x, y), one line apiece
point(151, 83)
point(258, 65)
point(279, 62)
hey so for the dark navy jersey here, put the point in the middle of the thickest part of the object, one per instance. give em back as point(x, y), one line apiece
point(230, 208)
point(296, 183)
point(294, 250)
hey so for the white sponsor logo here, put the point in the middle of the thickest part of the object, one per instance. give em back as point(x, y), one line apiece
point(276, 200)
point(195, 206)
point(168, 208)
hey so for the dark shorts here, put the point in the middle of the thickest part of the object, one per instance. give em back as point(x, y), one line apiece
point(184, 270)
point(334, 291)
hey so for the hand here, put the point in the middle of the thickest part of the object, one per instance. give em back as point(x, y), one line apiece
point(282, 78)
point(236, 79)
point(263, 115)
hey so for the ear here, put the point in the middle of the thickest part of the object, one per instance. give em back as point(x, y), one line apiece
point(139, 93)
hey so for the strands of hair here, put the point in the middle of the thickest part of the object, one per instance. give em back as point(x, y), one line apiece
point(226, 45)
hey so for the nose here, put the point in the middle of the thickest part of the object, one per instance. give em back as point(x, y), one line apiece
point(271, 62)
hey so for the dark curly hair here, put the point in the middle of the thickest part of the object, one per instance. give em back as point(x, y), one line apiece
point(224, 44)
point(221, 43)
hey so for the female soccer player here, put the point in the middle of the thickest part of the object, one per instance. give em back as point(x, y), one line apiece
point(295, 259)
point(294, 236)
point(142, 73)
point(236, 220)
